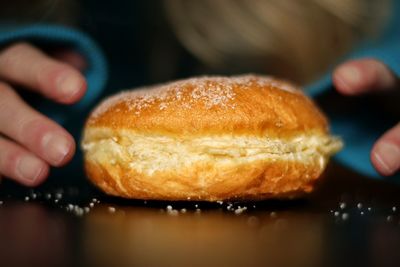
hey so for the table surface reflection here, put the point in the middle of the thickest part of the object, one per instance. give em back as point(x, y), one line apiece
point(349, 221)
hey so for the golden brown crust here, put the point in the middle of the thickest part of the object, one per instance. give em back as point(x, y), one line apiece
point(256, 181)
point(252, 105)
point(211, 138)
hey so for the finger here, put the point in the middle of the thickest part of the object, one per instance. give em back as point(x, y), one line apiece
point(385, 154)
point(26, 65)
point(70, 57)
point(34, 131)
point(365, 75)
point(21, 165)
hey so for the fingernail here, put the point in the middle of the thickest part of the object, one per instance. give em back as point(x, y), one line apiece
point(29, 167)
point(69, 84)
point(387, 80)
point(349, 76)
point(56, 147)
point(388, 157)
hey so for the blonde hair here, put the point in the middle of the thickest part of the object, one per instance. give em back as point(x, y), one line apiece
point(291, 38)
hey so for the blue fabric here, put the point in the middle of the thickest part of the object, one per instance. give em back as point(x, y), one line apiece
point(364, 126)
point(96, 73)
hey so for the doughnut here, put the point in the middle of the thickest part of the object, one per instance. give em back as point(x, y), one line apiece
point(247, 137)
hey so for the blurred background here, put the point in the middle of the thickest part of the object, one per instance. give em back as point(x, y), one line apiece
point(159, 40)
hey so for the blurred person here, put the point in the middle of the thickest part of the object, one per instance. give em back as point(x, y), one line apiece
point(356, 41)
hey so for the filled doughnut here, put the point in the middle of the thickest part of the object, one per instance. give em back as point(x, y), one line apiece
point(209, 138)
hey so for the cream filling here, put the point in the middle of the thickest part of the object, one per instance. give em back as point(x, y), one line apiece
point(149, 154)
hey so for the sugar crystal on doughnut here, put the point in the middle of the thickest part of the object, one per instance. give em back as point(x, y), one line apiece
point(210, 90)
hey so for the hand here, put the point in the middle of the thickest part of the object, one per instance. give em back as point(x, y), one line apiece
point(29, 141)
point(365, 76)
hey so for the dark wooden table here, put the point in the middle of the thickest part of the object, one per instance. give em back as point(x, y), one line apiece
point(349, 221)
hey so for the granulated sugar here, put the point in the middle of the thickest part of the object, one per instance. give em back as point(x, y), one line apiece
point(336, 213)
point(211, 92)
point(240, 210)
point(341, 212)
